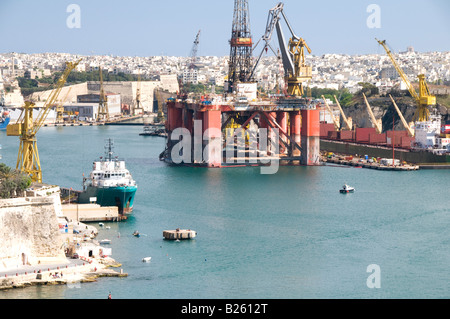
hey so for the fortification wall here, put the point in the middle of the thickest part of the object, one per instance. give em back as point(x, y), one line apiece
point(29, 233)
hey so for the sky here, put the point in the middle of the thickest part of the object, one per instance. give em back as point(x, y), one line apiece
point(169, 27)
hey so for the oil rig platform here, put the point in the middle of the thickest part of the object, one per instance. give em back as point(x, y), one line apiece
point(242, 127)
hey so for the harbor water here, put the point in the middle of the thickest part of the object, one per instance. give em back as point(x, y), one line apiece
point(289, 235)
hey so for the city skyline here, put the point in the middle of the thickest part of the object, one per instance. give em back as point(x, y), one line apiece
point(153, 28)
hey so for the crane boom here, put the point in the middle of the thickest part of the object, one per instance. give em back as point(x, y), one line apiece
point(336, 123)
point(405, 124)
point(194, 50)
point(347, 121)
point(375, 122)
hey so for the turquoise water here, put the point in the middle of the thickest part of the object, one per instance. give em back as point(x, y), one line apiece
point(287, 235)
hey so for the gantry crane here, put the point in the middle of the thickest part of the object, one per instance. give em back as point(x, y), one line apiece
point(376, 123)
point(26, 128)
point(424, 99)
point(103, 112)
point(292, 53)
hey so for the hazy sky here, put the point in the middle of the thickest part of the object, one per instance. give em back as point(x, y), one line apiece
point(168, 27)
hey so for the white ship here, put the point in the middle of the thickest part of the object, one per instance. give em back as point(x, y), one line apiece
point(426, 131)
point(428, 135)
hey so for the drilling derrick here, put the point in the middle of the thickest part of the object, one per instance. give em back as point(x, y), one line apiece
point(240, 64)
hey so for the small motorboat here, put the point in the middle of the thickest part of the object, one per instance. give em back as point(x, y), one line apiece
point(136, 234)
point(347, 189)
point(105, 241)
point(146, 259)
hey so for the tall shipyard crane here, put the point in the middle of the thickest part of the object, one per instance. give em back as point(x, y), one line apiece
point(103, 112)
point(424, 99)
point(26, 128)
point(138, 104)
point(194, 51)
point(60, 108)
point(293, 53)
point(189, 71)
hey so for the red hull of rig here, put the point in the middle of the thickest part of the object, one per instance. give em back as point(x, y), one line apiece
point(297, 122)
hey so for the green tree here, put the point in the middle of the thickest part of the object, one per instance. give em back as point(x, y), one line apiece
point(368, 89)
point(12, 182)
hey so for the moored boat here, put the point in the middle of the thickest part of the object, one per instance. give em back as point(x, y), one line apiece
point(4, 119)
point(110, 183)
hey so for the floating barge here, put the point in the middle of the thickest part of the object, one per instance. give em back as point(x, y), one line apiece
point(179, 234)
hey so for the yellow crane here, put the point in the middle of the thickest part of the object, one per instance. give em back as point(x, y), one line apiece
point(424, 98)
point(26, 128)
point(160, 118)
point(375, 122)
point(60, 109)
point(103, 112)
point(302, 72)
point(348, 121)
point(292, 53)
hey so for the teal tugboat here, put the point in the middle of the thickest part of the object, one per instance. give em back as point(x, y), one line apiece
point(110, 183)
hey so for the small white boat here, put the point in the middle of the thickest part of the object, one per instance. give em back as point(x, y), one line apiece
point(347, 189)
point(105, 241)
point(146, 259)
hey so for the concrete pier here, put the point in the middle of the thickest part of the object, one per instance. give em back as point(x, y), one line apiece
point(90, 212)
